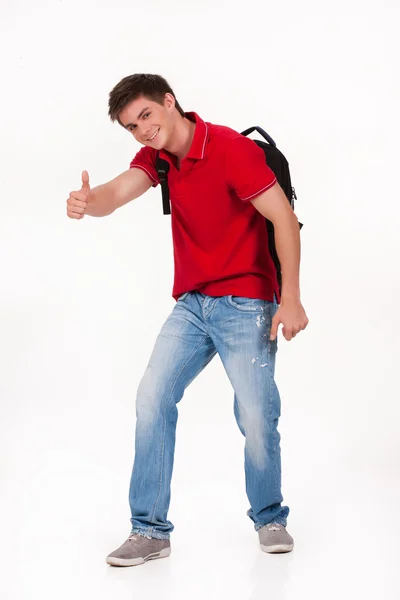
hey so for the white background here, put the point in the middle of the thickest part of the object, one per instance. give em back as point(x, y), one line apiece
point(82, 301)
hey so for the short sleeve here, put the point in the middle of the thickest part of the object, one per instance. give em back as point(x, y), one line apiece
point(246, 169)
point(145, 159)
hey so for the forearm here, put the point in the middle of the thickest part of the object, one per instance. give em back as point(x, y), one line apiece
point(287, 242)
point(101, 201)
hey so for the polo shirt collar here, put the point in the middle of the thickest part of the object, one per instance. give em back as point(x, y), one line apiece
point(201, 133)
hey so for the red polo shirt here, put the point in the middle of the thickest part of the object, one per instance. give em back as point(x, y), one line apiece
point(220, 240)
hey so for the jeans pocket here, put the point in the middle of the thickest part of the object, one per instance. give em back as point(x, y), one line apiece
point(247, 304)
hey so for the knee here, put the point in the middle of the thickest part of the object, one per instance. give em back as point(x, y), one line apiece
point(156, 395)
point(148, 398)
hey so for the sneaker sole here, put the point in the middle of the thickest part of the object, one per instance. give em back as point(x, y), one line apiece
point(132, 562)
point(277, 549)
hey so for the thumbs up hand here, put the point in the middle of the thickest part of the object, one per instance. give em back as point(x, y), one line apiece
point(78, 201)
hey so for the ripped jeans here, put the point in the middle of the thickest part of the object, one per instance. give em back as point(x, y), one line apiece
point(200, 326)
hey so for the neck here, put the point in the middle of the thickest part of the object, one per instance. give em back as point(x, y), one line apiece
point(182, 138)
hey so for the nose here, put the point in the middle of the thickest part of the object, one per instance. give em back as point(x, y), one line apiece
point(145, 130)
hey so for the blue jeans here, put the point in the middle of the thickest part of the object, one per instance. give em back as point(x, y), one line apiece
point(199, 327)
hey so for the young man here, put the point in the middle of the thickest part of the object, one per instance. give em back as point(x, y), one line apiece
point(227, 298)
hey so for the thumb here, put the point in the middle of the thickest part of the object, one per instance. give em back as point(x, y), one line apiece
point(85, 181)
point(274, 328)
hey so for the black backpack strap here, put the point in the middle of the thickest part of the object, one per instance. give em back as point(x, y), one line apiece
point(162, 168)
point(262, 132)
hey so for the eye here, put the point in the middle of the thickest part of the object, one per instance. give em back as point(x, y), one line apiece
point(146, 115)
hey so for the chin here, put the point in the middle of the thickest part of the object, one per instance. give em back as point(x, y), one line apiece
point(158, 144)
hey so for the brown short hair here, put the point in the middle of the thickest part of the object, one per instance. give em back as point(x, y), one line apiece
point(132, 87)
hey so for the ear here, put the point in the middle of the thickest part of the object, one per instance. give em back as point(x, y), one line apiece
point(169, 101)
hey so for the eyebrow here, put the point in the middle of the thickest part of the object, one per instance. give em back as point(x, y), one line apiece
point(139, 115)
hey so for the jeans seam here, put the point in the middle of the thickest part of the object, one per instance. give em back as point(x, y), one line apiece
point(164, 425)
point(271, 358)
point(208, 313)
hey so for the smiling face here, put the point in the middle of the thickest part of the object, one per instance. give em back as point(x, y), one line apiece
point(151, 123)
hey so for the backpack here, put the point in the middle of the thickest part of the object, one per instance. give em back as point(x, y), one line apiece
point(276, 162)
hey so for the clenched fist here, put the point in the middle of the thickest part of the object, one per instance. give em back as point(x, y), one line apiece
point(78, 201)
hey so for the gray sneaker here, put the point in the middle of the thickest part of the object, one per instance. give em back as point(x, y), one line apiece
point(137, 549)
point(274, 538)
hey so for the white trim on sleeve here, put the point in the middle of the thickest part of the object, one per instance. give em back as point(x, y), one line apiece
point(260, 191)
point(134, 166)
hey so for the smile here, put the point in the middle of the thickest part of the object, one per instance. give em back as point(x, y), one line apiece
point(153, 136)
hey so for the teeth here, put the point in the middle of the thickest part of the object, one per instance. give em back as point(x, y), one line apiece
point(154, 135)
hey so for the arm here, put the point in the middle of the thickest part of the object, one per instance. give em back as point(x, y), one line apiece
point(273, 205)
point(105, 199)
